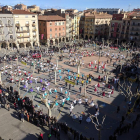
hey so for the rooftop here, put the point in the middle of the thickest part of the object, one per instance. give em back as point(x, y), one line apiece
point(51, 18)
point(22, 12)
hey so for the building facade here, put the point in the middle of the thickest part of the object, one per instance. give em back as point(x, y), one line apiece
point(52, 29)
point(7, 31)
point(20, 6)
point(126, 29)
point(69, 21)
point(107, 10)
point(96, 25)
point(26, 26)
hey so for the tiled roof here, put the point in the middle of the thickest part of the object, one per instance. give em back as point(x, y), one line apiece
point(23, 12)
point(51, 17)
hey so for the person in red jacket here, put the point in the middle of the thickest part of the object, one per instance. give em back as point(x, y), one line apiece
point(40, 136)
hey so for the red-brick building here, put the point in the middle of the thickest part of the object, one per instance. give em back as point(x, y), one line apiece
point(52, 29)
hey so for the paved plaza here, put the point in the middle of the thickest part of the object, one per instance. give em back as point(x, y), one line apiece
point(12, 127)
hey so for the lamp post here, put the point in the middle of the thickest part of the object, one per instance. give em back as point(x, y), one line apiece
point(98, 61)
point(117, 41)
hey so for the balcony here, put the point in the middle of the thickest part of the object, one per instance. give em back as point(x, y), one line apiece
point(1, 25)
point(1, 33)
point(17, 24)
point(9, 25)
point(135, 25)
point(27, 24)
point(10, 32)
point(23, 31)
point(33, 25)
point(34, 30)
point(27, 36)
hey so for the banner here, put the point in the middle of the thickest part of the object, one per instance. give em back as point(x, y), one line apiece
point(24, 63)
point(71, 82)
point(42, 36)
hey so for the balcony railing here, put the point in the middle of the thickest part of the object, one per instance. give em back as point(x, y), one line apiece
point(1, 25)
point(23, 31)
point(17, 24)
point(135, 25)
point(1, 33)
point(9, 25)
point(27, 24)
point(33, 24)
point(27, 36)
point(10, 32)
point(34, 30)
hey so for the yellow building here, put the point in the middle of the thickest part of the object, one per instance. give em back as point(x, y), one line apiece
point(33, 8)
point(96, 25)
point(26, 26)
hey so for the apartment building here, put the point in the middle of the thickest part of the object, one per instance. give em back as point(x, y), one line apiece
point(96, 25)
point(126, 28)
point(52, 29)
point(26, 27)
point(7, 31)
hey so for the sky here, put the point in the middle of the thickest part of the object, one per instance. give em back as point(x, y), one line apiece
point(77, 4)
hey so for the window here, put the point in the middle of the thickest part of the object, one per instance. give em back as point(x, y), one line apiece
point(63, 28)
point(59, 23)
point(59, 34)
point(43, 24)
point(50, 30)
point(55, 34)
point(50, 23)
point(11, 36)
point(33, 16)
point(59, 29)
point(55, 23)
point(55, 29)
point(17, 22)
point(27, 22)
point(63, 23)
point(16, 16)
point(26, 16)
point(50, 35)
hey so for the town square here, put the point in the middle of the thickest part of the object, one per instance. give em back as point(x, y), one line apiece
point(56, 84)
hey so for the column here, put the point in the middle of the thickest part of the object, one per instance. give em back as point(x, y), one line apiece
point(8, 46)
point(0, 45)
point(31, 44)
point(25, 45)
point(85, 92)
point(65, 40)
point(48, 43)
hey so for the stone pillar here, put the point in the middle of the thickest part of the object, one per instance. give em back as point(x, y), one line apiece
point(57, 62)
point(55, 78)
point(25, 45)
point(0, 46)
point(31, 44)
point(65, 40)
point(0, 79)
point(78, 69)
point(48, 43)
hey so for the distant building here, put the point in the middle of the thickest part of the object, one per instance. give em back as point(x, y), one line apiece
point(33, 8)
point(7, 8)
point(108, 10)
point(136, 10)
point(71, 10)
point(20, 6)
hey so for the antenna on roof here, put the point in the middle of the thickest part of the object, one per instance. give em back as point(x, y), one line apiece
point(129, 7)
